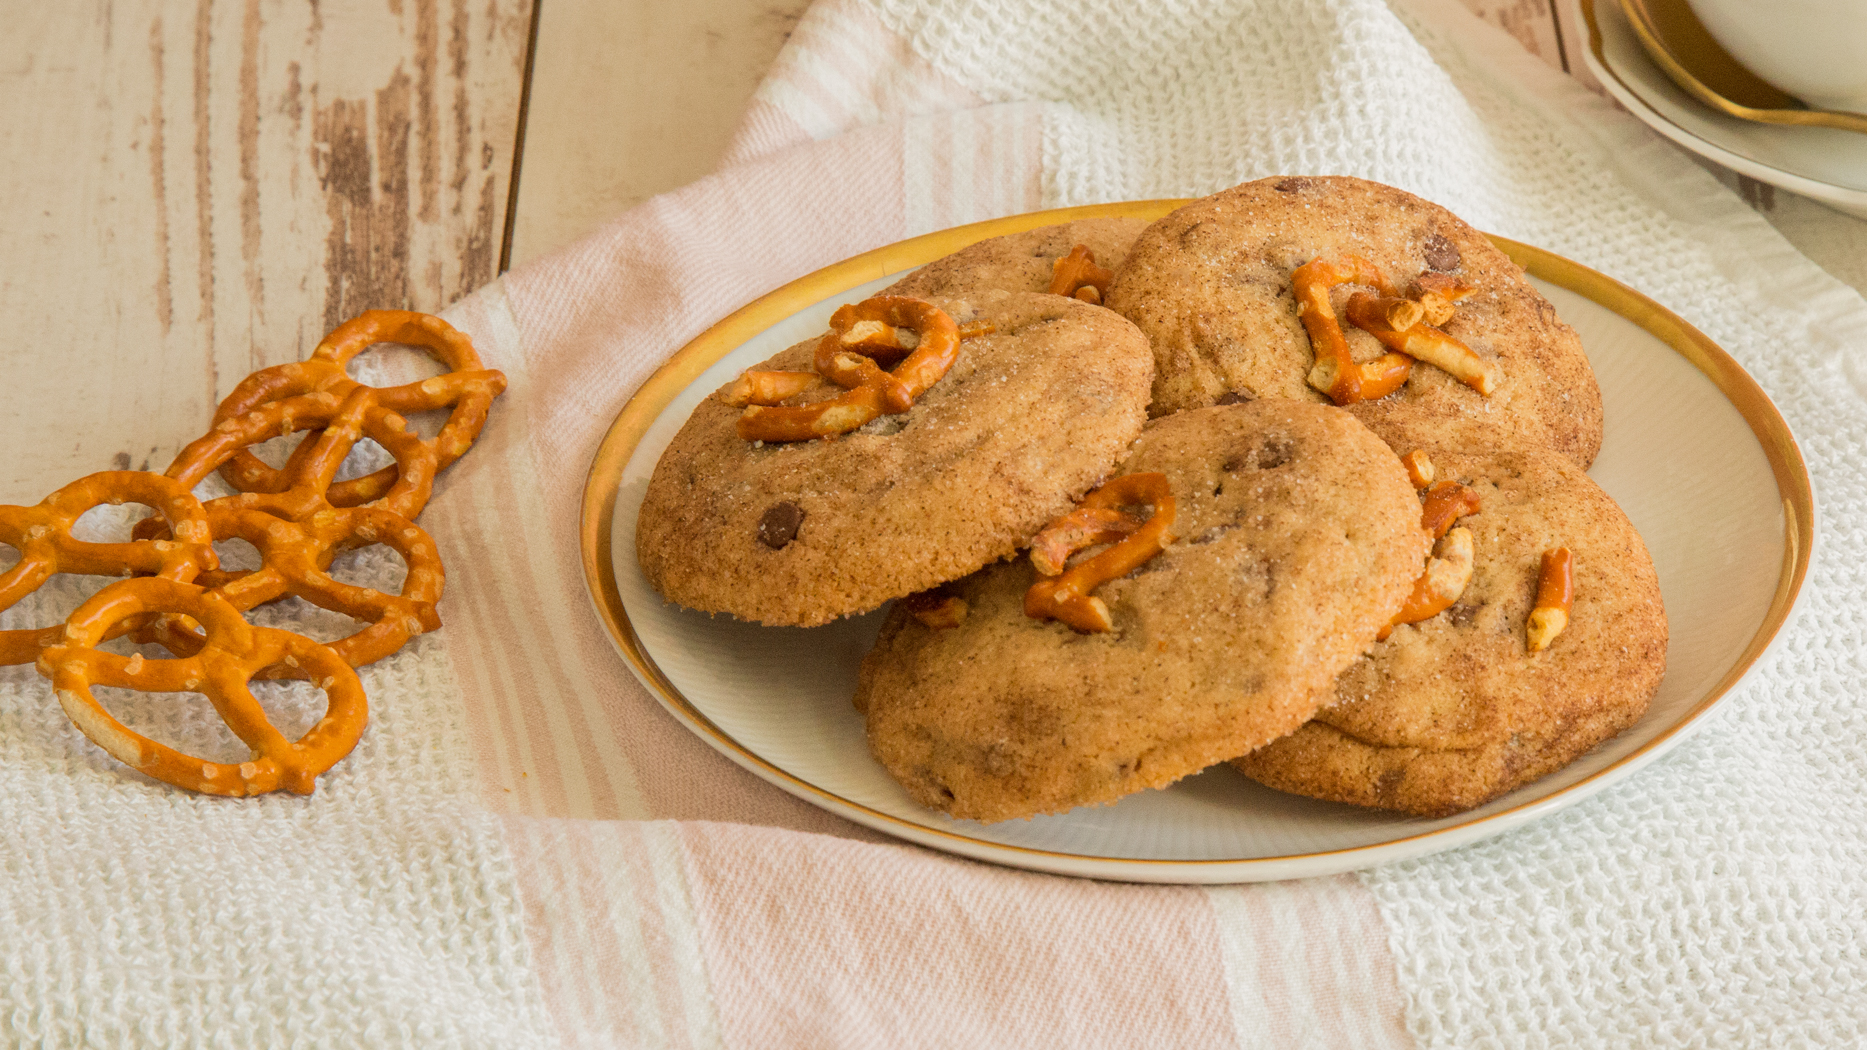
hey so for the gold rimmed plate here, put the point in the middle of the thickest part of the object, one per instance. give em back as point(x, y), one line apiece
point(1694, 452)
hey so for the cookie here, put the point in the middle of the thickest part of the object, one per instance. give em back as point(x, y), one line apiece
point(800, 533)
point(1298, 538)
point(1021, 262)
point(1454, 711)
point(1210, 285)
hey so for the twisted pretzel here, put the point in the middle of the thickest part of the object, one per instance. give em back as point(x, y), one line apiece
point(1077, 275)
point(294, 558)
point(308, 479)
point(42, 535)
point(234, 651)
point(861, 334)
point(468, 387)
point(1336, 373)
point(1066, 597)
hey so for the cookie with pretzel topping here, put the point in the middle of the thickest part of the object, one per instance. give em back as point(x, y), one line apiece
point(799, 533)
point(1022, 262)
point(1298, 537)
point(1217, 287)
point(1453, 711)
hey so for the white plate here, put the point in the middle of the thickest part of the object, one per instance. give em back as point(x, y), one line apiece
point(1694, 453)
point(1824, 164)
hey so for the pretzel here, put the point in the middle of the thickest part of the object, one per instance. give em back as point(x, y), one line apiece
point(763, 387)
point(1555, 594)
point(294, 558)
point(1447, 502)
point(234, 651)
point(1450, 568)
point(1336, 373)
point(1445, 578)
point(307, 480)
point(1085, 526)
point(1077, 275)
point(860, 334)
point(1066, 597)
point(1372, 315)
point(1419, 468)
point(935, 608)
point(1436, 293)
point(468, 387)
point(42, 535)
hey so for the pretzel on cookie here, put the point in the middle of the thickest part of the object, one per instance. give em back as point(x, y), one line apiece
point(860, 335)
point(936, 608)
point(1066, 597)
point(1336, 372)
point(1374, 315)
point(42, 536)
point(1077, 275)
point(1555, 594)
point(1449, 570)
point(467, 389)
point(232, 654)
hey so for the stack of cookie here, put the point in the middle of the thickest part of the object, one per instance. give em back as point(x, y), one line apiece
point(1268, 583)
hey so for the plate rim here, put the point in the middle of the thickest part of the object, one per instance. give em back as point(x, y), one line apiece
point(645, 404)
point(1596, 58)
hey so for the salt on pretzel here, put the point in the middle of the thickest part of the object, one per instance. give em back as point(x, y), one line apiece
point(1449, 570)
point(294, 560)
point(42, 535)
point(860, 334)
point(1555, 594)
point(233, 653)
point(467, 389)
point(1077, 275)
point(1066, 597)
point(1336, 372)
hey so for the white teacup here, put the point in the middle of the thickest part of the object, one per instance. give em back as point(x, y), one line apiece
point(1815, 50)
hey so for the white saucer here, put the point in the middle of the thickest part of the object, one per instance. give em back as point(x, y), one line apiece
point(1824, 164)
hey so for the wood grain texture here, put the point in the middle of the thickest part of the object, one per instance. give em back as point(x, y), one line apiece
point(195, 190)
point(1532, 22)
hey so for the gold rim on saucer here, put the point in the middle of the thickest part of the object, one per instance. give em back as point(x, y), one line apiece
point(1680, 45)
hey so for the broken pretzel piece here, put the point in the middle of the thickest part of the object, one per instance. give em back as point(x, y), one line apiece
point(1374, 315)
point(1066, 597)
point(1077, 275)
point(1450, 568)
point(935, 608)
point(1419, 468)
point(1446, 577)
point(1335, 372)
point(1555, 593)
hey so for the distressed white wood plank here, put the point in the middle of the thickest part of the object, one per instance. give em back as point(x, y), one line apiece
point(1532, 22)
point(195, 190)
point(631, 98)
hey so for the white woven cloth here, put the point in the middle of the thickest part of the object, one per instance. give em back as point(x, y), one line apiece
point(1719, 898)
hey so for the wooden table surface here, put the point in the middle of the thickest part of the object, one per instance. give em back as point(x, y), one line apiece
point(195, 191)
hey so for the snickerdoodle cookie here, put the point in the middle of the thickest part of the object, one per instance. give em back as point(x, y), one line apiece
point(800, 533)
point(1448, 713)
point(1298, 537)
point(1211, 286)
